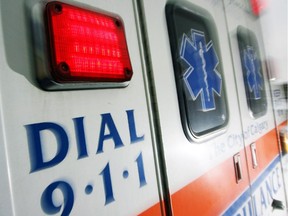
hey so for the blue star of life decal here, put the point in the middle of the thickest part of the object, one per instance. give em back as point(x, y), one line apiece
point(253, 74)
point(201, 77)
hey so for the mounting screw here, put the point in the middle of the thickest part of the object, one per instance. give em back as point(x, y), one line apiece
point(57, 8)
point(63, 68)
point(117, 23)
point(128, 73)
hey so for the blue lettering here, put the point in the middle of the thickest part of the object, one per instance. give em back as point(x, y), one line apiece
point(35, 145)
point(274, 186)
point(263, 200)
point(80, 137)
point(254, 201)
point(47, 203)
point(245, 209)
point(275, 181)
point(268, 188)
point(278, 177)
point(113, 133)
point(250, 207)
point(108, 131)
point(109, 194)
point(132, 129)
point(253, 129)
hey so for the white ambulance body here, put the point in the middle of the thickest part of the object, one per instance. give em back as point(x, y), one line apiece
point(189, 129)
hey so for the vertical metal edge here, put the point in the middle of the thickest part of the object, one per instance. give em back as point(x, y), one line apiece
point(226, 4)
point(154, 119)
point(6, 189)
point(7, 206)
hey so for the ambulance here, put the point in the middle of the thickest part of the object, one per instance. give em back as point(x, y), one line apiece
point(141, 107)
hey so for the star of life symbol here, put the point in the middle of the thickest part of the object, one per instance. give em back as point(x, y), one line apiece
point(254, 77)
point(201, 77)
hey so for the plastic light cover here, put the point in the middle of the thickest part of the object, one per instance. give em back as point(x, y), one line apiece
point(257, 6)
point(86, 45)
point(198, 70)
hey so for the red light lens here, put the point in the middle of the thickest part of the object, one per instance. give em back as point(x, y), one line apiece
point(257, 6)
point(86, 45)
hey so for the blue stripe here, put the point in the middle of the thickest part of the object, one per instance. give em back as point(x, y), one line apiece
point(255, 185)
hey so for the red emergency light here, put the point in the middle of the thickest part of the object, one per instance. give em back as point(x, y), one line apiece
point(257, 6)
point(86, 46)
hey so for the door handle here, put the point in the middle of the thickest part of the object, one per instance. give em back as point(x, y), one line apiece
point(254, 155)
point(238, 167)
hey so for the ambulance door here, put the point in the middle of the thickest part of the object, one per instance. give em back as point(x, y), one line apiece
point(256, 108)
point(274, 18)
point(280, 111)
point(279, 95)
point(74, 142)
point(189, 60)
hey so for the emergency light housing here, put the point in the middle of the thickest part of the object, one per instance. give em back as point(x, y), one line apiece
point(80, 48)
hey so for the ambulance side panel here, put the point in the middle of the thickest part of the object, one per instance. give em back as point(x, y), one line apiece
point(200, 170)
point(259, 129)
point(72, 152)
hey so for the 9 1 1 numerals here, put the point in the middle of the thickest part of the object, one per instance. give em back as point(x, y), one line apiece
point(50, 206)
